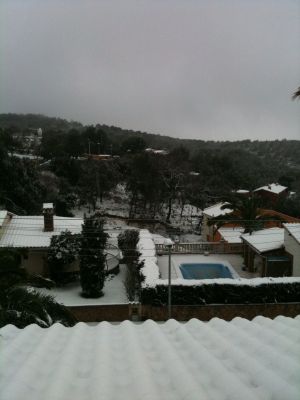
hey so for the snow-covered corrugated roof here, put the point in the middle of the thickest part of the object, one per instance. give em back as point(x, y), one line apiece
point(219, 360)
point(273, 188)
point(294, 230)
point(28, 231)
point(265, 239)
point(215, 210)
point(232, 235)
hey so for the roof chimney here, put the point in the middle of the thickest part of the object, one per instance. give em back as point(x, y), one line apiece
point(48, 213)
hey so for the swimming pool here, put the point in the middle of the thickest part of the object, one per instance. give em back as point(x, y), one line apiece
point(206, 271)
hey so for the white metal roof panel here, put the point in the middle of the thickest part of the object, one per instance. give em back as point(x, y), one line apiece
point(171, 361)
point(232, 235)
point(294, 230)
point(265, 239)
point(28, 231)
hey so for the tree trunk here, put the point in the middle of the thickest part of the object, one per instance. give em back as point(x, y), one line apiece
point(169, 210)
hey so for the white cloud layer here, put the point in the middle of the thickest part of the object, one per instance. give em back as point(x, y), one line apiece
point(205, 69)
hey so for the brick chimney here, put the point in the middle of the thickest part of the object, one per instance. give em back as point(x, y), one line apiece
point(48, 212)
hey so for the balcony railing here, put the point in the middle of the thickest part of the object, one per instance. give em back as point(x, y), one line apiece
point(201, 248)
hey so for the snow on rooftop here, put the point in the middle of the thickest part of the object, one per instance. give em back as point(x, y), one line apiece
point(47, 206)
point(265, 239)
point(216, 210)
point(232, 235)
point(294, 230)
point(273, 188)
point(240, 359)
point(28, 231)
point(242, 191)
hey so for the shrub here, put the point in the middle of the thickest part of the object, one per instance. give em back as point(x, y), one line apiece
point(92, 259)
point(127, 242)
point(62, 252)
point(272, 292)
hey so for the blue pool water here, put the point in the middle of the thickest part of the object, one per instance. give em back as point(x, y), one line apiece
point(205, 271)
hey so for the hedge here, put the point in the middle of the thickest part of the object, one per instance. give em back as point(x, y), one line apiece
point(222, 294)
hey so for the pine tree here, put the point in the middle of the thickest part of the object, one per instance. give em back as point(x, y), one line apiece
point(92, 259)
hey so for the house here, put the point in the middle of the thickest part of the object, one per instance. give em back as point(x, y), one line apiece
point(272, 192)
point(231, 232)
point(237, 360)
point(214, 211)
point(292, 245)
point(155, 151)
point(264, 251)
point(32, 235)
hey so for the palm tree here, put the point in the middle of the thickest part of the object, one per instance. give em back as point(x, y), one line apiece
point(20, 303)
point(296, 95)
point(22, 306)
point(246, 212)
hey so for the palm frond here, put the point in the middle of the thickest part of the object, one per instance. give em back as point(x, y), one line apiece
point(42, 308)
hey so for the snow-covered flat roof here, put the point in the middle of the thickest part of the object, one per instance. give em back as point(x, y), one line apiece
point(47, 206)
point(241, 191)
point(294, 230)
point(28, 231)
point(232, 235)
point(216, 210)
point(265, 239)
point(273, 188)
point(219, 360)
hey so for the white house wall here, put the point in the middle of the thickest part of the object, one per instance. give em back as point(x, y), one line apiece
point(293, 247)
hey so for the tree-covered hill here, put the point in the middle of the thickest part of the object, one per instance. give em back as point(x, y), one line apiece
point(23, 122)
point(280, 152)
point(194, 171)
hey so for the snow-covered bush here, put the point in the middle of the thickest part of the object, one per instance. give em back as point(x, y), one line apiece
point(224, 291)
point(127, 242)
point(63, 251)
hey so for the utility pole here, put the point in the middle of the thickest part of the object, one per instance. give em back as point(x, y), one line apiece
point(168, 243)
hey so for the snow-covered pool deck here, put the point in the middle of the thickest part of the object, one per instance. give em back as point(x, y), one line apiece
point(235, 260)
point(114, 292)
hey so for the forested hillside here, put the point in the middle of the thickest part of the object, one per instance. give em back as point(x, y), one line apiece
point(192, 171)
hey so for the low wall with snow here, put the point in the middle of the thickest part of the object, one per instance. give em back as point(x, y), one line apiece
point(209, 291)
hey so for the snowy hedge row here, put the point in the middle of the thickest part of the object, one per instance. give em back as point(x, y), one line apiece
point(216, 293)
point(210, 291)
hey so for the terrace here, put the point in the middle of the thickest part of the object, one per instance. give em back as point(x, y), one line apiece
point(220, 253)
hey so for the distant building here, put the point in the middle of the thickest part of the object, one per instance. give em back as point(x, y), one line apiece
point(214, 211)
point(154, 151)
point(272, 192)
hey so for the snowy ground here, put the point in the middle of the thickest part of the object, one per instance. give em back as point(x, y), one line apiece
point(114, 292)
point(235, 260)
point(117, 204)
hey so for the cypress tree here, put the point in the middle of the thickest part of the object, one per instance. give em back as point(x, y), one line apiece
point(92, 258)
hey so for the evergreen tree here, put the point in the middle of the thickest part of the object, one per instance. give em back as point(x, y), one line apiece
point(92, 259)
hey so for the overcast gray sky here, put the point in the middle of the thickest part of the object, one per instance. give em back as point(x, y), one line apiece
point(204, 69)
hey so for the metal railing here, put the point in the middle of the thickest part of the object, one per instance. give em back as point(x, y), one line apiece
point(201, 248)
